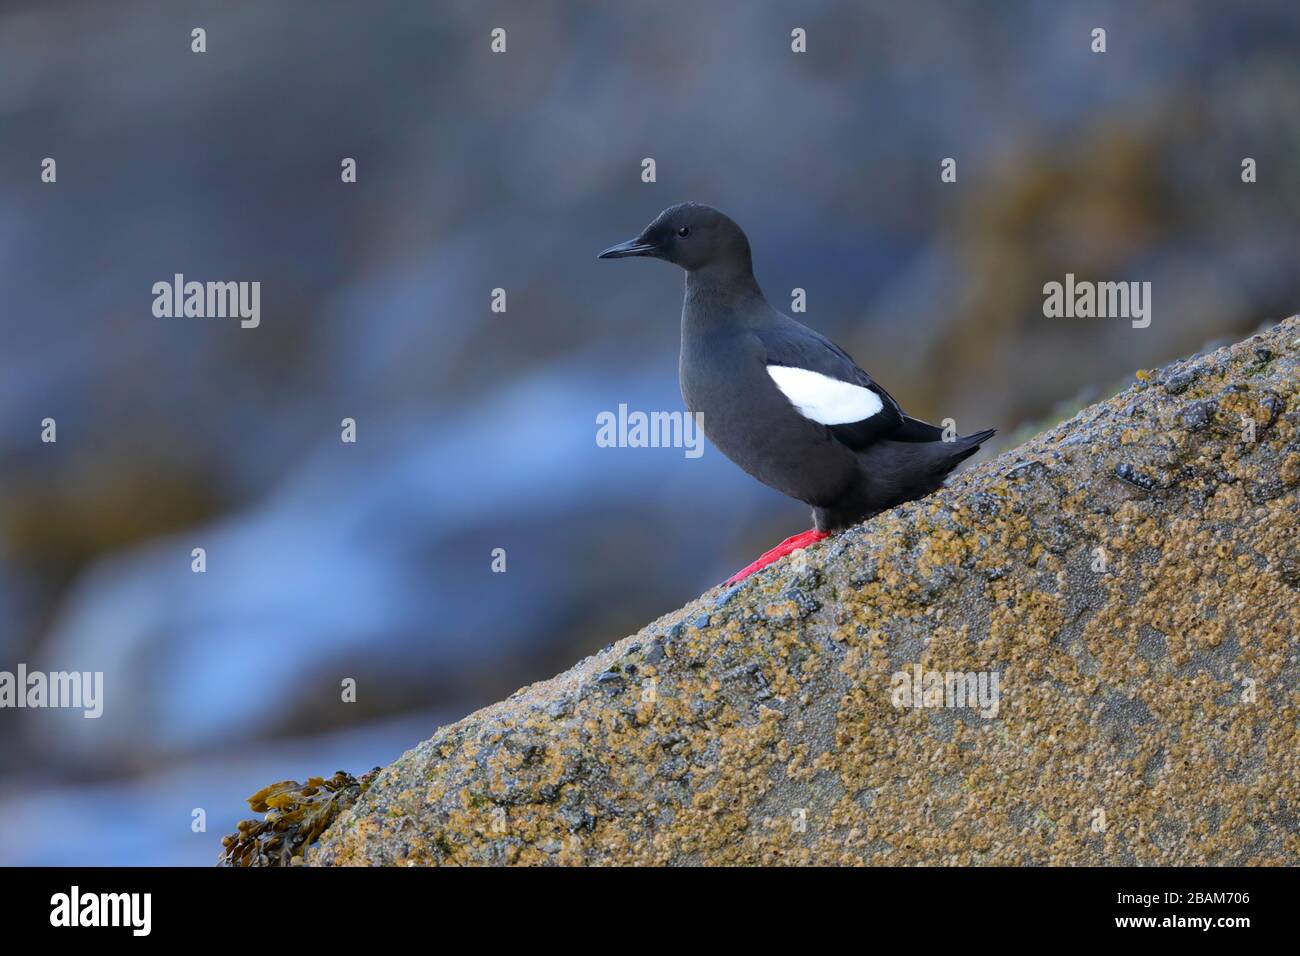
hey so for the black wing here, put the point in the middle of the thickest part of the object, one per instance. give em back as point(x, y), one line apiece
point(798, 346)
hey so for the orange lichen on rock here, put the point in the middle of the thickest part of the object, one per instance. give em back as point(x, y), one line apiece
point(1131, 579)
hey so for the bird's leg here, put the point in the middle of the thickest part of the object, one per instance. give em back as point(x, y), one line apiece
point(788, 546)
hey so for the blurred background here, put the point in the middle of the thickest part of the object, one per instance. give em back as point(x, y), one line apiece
point(477, 429)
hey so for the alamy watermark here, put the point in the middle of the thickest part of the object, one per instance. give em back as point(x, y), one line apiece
point(133, 911)
point(1098, 300)
point(210, 300)
point(919, 688)
point(82, 690)
point(634, 429)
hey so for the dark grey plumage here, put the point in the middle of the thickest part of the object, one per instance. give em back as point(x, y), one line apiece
point(784, 427)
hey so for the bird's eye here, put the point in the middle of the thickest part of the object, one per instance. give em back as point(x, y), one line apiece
point(684, 231)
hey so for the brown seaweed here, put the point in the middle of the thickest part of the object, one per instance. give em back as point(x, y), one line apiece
point(296, 815)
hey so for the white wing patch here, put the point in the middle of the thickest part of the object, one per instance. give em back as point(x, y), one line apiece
point(825, 400)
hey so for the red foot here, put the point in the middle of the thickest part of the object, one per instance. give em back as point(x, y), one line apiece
point(787, 546)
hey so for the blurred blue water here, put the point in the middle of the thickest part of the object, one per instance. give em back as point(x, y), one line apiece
point(149, 820)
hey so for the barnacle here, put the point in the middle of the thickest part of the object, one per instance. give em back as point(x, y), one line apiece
point(296, 815)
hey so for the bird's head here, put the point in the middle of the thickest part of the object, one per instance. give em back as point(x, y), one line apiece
point(691, 235)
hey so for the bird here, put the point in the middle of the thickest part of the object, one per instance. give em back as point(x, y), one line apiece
point(781, 400)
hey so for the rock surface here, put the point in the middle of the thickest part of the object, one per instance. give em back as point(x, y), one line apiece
point(1131, 577)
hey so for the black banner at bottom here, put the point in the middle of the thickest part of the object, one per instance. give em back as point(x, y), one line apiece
point(260, 906)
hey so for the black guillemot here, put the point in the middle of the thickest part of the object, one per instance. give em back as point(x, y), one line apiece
point(781, 400)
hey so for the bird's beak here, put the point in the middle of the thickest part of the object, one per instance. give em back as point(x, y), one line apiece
point(633, 247)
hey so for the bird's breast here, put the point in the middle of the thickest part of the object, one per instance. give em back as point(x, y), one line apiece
point(748, 419)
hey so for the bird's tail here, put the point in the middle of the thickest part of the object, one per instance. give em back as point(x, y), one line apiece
point(896, 471)
point(901, 471)
point(915, 430)
point(967, 445)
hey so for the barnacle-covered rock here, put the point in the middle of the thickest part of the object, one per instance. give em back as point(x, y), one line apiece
point(1131, 577)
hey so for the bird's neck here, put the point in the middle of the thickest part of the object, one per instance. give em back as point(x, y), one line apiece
point(722, 289)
